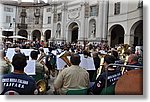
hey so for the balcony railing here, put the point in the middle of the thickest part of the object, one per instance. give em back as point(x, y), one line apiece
point(22, 26)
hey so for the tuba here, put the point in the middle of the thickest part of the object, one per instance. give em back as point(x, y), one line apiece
point(63, 56)
point(41, 85)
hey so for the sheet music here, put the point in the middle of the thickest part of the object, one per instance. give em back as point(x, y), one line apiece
point(30, 68)
point(11, 52)
point(60, 63)
point(87, 63)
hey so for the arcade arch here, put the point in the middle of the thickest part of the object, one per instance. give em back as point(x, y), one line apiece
point(47, 35)
point(23, 33)
point(116, 35)
point(73, 32)
point(137, 33)
point(36, 35)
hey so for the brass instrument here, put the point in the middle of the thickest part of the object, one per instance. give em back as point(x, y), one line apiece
point(41, 57)
point(41, 85)
point(45, 67)
point(124, 56)
point(63, 56)
point(99, 70)
point(40, 60)
point(7, 60)
point(6, 66)
point(121, 50)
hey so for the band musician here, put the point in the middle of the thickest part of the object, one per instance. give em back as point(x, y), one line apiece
point(112, 76)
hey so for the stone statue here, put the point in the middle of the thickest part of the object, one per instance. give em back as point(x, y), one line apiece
point(93, 29)
point(58, 31)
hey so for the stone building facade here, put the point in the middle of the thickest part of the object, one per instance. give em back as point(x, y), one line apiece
point(7, 18)
point(111, 21)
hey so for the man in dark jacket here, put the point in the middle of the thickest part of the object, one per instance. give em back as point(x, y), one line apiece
point(111, 75)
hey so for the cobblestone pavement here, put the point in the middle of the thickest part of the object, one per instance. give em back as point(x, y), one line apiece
point(51, 81)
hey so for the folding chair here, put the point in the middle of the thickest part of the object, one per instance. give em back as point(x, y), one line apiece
point(110, 90)
point(77, 92)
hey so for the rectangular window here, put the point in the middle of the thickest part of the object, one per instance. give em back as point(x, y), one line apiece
point(93, 10)
point(8, 19)
point(49, 20)
point(8, 9)
point(117, 8)
point(48, 9)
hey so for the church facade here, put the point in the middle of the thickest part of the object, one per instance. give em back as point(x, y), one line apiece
point(110, 21)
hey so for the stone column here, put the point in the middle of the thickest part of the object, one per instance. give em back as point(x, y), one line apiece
point(100, 20)
point(54, 12)
point(81, 31)
point(129, 37)
point(29, 35)
point(105, 19)
point(63, 25)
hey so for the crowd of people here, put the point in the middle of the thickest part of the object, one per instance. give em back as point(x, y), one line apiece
point(16, 81)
